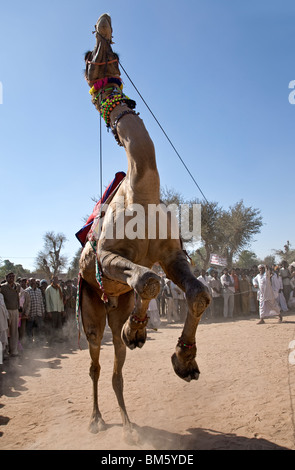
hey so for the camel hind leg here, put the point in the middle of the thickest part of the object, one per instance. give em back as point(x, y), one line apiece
point(94, 320)
point(116, 319)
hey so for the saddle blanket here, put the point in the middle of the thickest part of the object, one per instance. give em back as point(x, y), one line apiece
point(82, 234)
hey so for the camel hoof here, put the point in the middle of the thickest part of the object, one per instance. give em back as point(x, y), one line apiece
point(148, 285)
point(133, 338)
point(95, 426)
point(151, 289)
point(187, 372)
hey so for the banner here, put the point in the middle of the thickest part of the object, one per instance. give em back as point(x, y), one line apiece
point(218, 260)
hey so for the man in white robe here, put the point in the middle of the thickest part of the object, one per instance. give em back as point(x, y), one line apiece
point(277, 286)
point(268, 306)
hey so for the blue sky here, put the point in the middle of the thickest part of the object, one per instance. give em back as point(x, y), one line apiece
point(215, 73)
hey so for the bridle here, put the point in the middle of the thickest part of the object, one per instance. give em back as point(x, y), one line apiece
point(112, 100)
point(102, 63)
point(109, 42)
point(90, 62)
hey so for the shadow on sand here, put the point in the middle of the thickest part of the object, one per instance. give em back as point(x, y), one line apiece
point(32, 360)
point(202, 439)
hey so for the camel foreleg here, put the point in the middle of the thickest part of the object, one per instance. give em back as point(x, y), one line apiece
point(134, 329)
point(143, 280)
point(146, 285)
point(178, 270)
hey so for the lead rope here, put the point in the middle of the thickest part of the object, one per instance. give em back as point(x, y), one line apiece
point(169, 140)
point(100, 152)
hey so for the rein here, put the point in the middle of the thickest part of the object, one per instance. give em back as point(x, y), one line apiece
point(102, 63)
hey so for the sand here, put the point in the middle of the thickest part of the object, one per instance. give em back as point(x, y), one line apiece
point(243, 400)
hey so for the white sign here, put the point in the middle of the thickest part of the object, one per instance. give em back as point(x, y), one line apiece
point(218, 260)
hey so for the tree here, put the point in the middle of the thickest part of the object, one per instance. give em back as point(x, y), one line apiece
point(170, 196)
point(211, 237)
point(247, 259)
point(7, 266)
point(269, 261)
point(287, 254)
point(73, 270)
point(223, 232)
point(238, 226)
point(50, 260)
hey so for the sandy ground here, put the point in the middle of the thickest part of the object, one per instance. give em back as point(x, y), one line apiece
point(243, 400)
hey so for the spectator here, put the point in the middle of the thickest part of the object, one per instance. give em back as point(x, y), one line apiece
point(47, 321)
point(161, 298)
point(11, 290)
point(245, 292)
point(171, 313)
point(277, 287)
point(4, 315)
point(216, 292)
point(24, 306)
point(36, 311)
point(227, 283)
point(154, 321)
point(55, 306)
point(43, 286)
point(70, 296)
point(254, 304)
point(237, 297)
point(268, 306)
point(176, 294)
point(182, 305)
point(286, 277)
point(204, 279)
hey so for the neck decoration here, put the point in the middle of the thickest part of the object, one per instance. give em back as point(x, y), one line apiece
point(103, 82)
point(113, 96)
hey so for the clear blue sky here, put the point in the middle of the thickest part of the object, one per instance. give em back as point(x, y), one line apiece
point(216, 75)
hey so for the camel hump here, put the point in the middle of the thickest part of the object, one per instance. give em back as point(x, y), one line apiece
point(104, 26)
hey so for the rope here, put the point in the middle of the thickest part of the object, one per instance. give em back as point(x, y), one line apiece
point(169, 140)
point(100, 151)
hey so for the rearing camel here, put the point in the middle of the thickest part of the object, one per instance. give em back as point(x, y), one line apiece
point(125, 263)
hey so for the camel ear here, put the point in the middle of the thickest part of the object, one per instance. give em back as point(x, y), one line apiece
point(87, 55)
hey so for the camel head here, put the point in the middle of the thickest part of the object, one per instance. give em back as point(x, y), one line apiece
point(102, 62)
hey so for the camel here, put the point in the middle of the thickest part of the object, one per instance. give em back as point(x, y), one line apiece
point(128, 282)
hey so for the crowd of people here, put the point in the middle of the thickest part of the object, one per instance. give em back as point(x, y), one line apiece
point(260, 291)
point(34, 311)
point(245, 291)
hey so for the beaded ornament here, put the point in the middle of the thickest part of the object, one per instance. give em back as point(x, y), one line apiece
point(115, 97)
point(113, 100)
